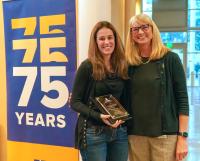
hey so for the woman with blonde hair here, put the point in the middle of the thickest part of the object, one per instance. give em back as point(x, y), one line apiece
point(103, 73)
point(158, 92)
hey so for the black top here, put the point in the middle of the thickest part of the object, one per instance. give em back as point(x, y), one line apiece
point(146, 91)
point(85, 87)
point(158, 96)
point(112, 84)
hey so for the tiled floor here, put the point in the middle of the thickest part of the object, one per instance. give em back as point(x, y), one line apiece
point(194, 124)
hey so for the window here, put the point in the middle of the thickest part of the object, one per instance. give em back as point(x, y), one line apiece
point(190, 38)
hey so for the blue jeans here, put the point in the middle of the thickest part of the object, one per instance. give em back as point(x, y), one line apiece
point(106, 144)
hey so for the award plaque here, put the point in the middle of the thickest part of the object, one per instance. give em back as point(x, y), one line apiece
point(110, 105)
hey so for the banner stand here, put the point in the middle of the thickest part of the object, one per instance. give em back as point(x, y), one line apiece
point(38, 61)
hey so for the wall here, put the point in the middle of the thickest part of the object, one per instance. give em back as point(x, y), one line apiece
point(89, 13)
point(118, 16)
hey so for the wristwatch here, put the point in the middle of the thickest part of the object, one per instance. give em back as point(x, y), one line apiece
point(184, 134)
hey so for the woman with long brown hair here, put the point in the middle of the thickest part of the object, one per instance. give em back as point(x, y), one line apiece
point(103, 73)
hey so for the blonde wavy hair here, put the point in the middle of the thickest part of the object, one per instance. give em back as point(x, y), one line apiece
point(118, 61)
point(132, 51)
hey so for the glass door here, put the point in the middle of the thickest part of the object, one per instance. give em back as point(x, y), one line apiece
point(191, 64)
point(181, 50)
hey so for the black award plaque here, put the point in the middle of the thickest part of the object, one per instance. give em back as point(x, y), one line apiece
point(110, 105)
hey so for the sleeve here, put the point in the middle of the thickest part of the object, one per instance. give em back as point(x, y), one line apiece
point(180, 87)
point(79, 92)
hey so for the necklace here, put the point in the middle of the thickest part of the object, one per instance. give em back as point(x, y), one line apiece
point(145, 60)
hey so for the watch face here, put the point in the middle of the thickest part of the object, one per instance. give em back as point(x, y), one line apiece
point(185, 134)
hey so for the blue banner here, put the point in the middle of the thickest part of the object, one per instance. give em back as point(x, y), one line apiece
point(40, 39)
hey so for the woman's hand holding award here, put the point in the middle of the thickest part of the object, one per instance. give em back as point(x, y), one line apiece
point(111, 106)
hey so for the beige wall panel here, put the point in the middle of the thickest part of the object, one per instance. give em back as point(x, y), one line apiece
point(121, 12)
point(118, 15)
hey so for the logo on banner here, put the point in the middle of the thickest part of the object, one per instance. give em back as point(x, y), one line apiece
point(46, 72)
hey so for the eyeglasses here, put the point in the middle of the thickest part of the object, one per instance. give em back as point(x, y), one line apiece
point(144, 28)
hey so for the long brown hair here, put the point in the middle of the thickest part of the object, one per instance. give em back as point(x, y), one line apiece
point(118, 62)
